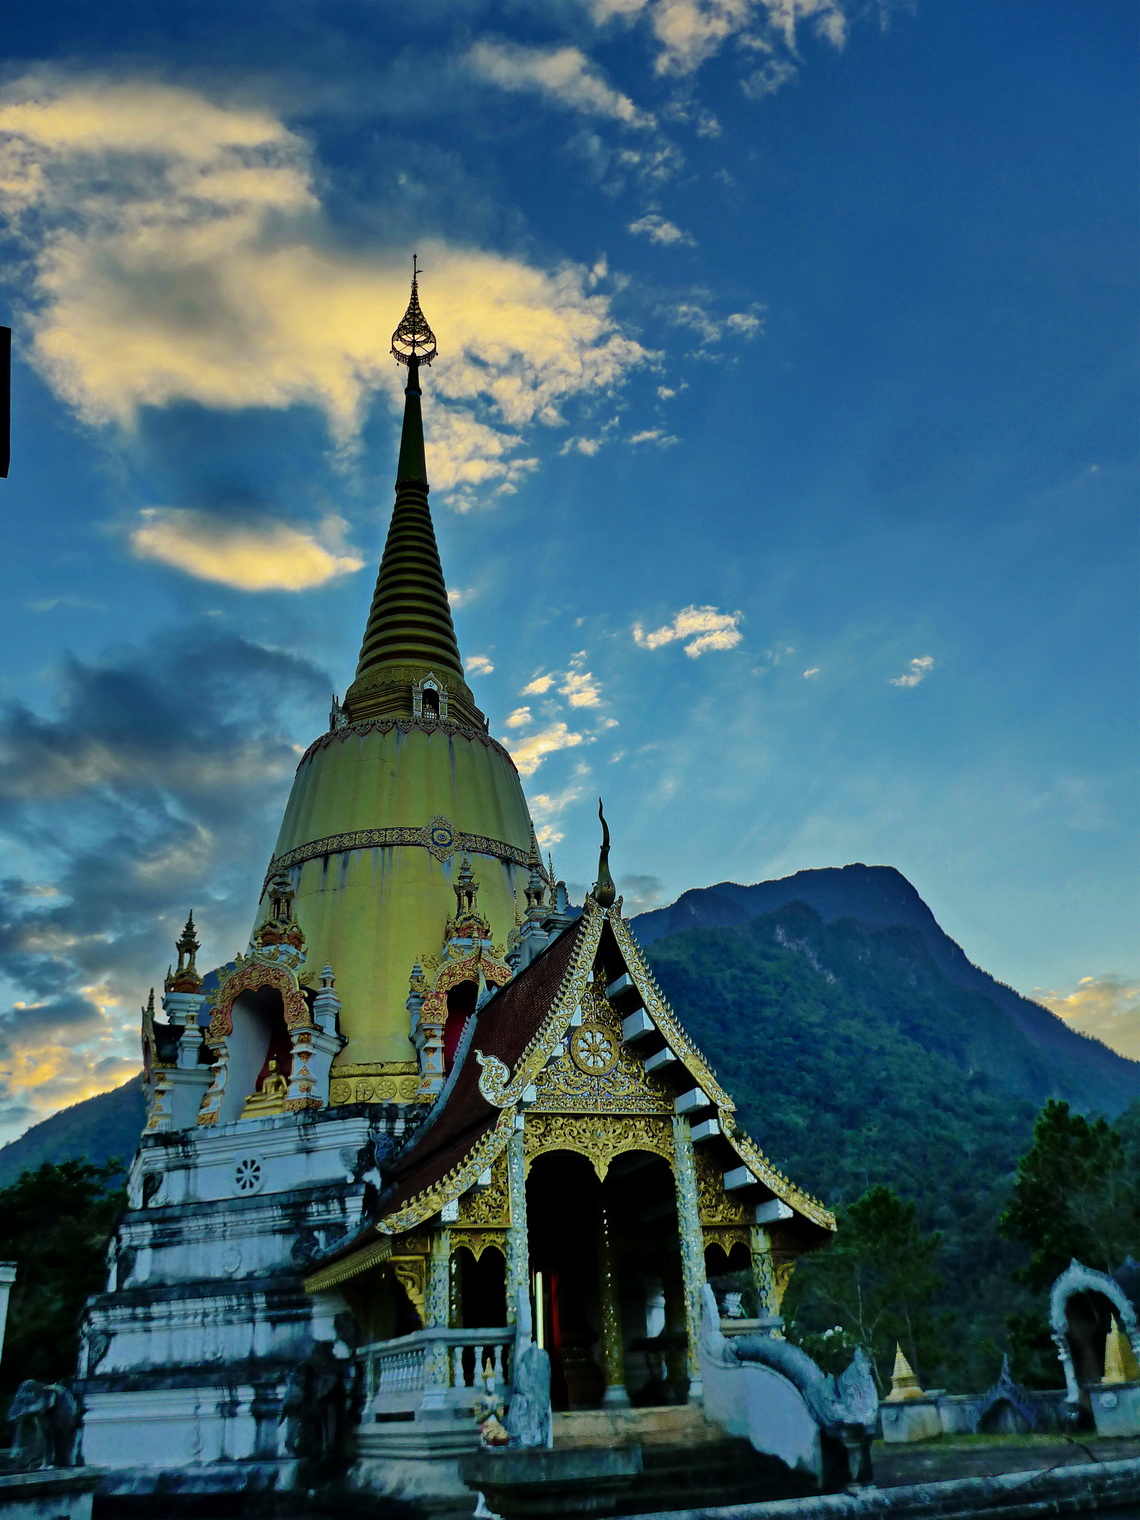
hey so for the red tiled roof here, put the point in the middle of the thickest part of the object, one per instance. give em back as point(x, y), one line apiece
point(505, 1028)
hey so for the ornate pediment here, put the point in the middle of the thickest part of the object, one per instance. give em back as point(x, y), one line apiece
point(592, 1072)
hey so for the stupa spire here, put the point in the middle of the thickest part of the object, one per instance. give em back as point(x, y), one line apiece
point(409, 631)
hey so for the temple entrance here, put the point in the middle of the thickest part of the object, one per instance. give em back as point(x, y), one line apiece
point(606, 1273)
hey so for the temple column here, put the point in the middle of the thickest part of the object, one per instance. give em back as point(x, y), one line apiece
point(613, 1345)
point(437, 1316)
point(518, 1241)
point(692, 1248)
point(764, 1273)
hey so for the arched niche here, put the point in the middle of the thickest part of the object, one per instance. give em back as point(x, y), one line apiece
point(1082, 1303)
point(259, 1035)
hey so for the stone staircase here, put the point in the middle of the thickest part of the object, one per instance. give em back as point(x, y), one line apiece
point(614, 1462)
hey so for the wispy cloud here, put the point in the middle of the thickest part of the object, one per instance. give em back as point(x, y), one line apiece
point(916, 671)
point(179, 252)
point(529, 753)
point(478, 665)
point(251, 554)
point(701, 629)
point(563, 74)
point(547, 808)
point(658, 436)
point(689, 32)
point(658, 230)
point(1107, 1007)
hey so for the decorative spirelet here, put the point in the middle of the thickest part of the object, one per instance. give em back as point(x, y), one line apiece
point(413, 342)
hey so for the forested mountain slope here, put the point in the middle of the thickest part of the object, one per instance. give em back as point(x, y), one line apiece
point(98, 1128)
point(985, 1025)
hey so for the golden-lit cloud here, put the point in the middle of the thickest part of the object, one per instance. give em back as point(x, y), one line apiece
point(538, 686)
point(258, 555)
point(529, 753)
point(519, 718)
point(1107, 1007)
point(180, 253)
point(581, 689)
point(701, 629)
point(478, 665)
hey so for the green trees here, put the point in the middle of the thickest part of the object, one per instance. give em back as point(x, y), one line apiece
point(1076, 1194)
point(54, 1223)
point(878, 1284)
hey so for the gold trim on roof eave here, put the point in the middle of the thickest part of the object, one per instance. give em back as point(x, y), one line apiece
point(763, 1170)
point(451, 1185)
point(668, 1025)
point(372, 1255)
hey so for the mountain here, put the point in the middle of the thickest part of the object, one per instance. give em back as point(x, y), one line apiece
point(98, 1128)
point(983, 1026)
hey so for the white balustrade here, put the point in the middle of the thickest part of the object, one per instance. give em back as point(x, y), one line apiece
point(396, 1382)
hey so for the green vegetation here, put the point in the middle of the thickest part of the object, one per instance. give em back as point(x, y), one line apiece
point(855, 1062)
point(54, 1224)
point(878, 1285)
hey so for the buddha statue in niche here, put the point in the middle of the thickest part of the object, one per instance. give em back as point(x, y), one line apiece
point(269, 1098)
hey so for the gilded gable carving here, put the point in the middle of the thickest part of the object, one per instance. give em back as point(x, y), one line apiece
point(593, 1072)
point(597, 1138)
point(717, 1205)
point(488, 1205)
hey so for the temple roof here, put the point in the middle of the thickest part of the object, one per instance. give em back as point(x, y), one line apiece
point(503, 1031)
point(516, 1033)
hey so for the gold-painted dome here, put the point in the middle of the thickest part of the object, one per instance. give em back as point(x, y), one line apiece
point(405, 782)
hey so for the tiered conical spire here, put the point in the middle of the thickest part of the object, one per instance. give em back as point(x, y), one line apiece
point(409, 631)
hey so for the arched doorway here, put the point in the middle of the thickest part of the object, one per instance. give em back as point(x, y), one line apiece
point(606, 1272)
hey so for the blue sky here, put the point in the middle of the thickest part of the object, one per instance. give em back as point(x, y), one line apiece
point(782, 440)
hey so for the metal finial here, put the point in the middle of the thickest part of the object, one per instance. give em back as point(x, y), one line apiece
point(413, 342)
point(604, 891)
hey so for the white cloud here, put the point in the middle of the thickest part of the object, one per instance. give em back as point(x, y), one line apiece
point(658, 230)
point(519, 718)
point(1107, 1007)
point(457, 597)
point(547, 809)
point(654, 435)
point(478, 665)
point(916, 671)
point(563, 74)
point(746, 323)
point(814, 671)
point(253, 555)
point(580, 689)
point(689, 32)
point(701, 628)
point(529, 753)
point(179, 252)
point(538, 687)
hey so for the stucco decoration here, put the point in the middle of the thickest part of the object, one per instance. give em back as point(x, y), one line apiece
point(249, 977)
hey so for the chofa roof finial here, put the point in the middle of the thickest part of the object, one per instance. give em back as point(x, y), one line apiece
point(604, 890)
